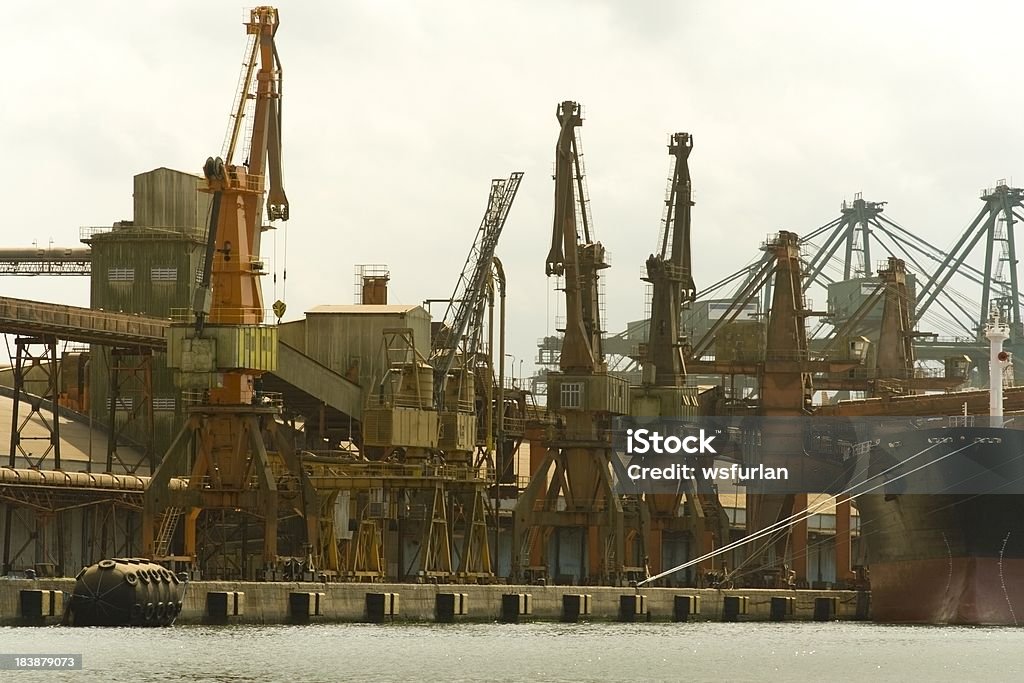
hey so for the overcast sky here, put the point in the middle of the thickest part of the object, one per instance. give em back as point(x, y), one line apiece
point(398, 114)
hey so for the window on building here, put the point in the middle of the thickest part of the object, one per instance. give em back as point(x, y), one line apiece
point(163, 274)
point(572, 394)
point(121, 275)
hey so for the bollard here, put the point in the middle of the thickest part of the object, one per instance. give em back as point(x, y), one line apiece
point(575, 606)
point(515, 606)
point(734, 606)
point(685, 606)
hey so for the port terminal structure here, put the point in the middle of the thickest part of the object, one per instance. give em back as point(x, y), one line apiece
point(60, 519)
point(287, 477)
point(368, 442)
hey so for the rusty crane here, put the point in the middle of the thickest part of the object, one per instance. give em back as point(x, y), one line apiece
point(663, 393)
point(571, 488)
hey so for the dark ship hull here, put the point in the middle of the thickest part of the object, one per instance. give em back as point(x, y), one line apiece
point(946, 544)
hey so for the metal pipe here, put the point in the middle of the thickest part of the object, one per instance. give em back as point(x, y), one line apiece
point(500, 432)
point(489, 398)
point(103, 481)
point(52, 254)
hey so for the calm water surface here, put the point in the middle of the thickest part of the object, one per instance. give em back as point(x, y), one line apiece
point(529, 652)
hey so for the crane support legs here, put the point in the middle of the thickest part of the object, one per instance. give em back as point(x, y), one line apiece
point(615, 526)
point(232, 471)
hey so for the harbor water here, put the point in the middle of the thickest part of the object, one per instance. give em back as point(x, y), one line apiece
point(539, 652)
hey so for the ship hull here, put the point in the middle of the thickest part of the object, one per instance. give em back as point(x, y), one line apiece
point(957, 590)
point(954, 555)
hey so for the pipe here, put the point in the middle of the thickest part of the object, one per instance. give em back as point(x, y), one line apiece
point(117, 482)
point(52, 254)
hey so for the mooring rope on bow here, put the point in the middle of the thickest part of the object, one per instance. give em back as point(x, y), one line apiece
point(806, 514)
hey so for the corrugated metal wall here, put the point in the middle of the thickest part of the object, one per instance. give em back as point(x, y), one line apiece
point(846, 296)
point(165, 198)
point(137, 269)
point(339, 340)
point(293, 334)
point(567, 553)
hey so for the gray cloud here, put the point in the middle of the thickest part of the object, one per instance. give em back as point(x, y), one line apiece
point(397, 114)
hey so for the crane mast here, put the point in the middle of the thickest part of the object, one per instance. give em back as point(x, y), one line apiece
point(687, 512)
point(230, 291)
point(669, 272)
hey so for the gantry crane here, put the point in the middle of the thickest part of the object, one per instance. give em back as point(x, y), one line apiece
point(663, 392)
point(582, 399)
point(224, 349)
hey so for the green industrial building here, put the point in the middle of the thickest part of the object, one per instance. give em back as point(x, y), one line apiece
point(148, 266)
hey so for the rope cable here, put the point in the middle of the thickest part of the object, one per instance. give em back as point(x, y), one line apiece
point(806, 514)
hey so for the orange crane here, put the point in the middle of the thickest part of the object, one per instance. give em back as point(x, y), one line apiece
point(226, 346)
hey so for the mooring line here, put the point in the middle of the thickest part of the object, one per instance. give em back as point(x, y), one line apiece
point(807, 514)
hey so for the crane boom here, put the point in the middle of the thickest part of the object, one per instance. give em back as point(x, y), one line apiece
point(229, 291)
point(258, 103)
point(462, 318)
point(669, 271)
point(577, 261)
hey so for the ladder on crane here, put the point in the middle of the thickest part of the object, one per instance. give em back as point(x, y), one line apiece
point(168, 524)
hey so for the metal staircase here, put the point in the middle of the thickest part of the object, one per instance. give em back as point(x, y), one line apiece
point(168, 523)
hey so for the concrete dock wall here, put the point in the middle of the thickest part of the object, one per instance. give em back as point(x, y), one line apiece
point(273, 603)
